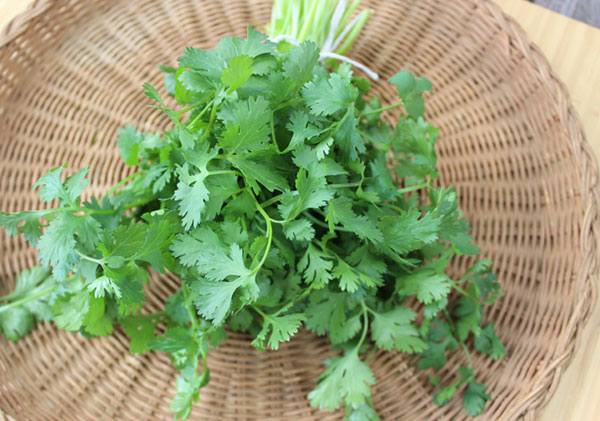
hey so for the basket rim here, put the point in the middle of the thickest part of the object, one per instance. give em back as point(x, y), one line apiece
point(587, 278)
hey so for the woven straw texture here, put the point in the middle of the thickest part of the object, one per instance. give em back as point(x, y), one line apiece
point(70, 77)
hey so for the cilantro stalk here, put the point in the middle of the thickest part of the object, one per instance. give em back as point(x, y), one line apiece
point(20, 302)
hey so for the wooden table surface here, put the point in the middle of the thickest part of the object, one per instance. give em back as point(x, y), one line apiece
point(573, 50)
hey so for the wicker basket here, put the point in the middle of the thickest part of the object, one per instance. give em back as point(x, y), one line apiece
point(70, 76)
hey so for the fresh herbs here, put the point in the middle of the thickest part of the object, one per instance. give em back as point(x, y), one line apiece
point(272, 200)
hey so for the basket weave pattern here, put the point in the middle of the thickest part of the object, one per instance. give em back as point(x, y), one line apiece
point(70, 77)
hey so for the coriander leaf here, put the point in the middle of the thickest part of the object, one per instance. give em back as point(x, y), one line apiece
point(254, 45)
point(240, 205)
point(89, 231)
point(475, 398)
point(128, 141)
point(347, 331)
point(413, 144)
point(364, 412)
point(315, 266)
point(283, 327)
point(122, 243)
point(444, 396)
point(51, 186)
point(257, 169)
point(407, 232)
point(16, 322)
point(157, 239)
point(187, 385)
point(199, 82)
point(246, 125)
point(207, 62)
point(299, 63)
point(368, 263)
point(152, 93)
point(427, 284)
point(301, 129)
point(104, 285)
point(58, 243)
point(280, 88)
point(488, 343)
point(394, 330)
point(203, 250)
point(468, 317)
point(213, 299)
point(346, 380)
point(10, 221)
point(240, 321)
point(340, 211)
point(34, 289)
point(381, 179)
point(351, 278)
point(221, 188)
point(349, 139)
point(326, 312)
point(192, 195)
point(237, 72)
point(176, 308)
point(440, 339)
point(70, 311)
point(140, 330)
point(176, 339)
point(410, 90)
point(299, 230)
point(68, 192)
point(312, 193)
point(327, 95)
point(96, 321)
point(130, 280)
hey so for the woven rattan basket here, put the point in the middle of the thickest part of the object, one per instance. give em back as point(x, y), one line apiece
point(70, 77)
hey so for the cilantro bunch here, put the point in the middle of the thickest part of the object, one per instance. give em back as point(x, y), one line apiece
point(271, 198)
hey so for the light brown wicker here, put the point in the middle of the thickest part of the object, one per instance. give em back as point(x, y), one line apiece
point(70, 76)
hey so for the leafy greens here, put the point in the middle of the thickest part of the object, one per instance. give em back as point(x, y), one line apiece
point(271, 199)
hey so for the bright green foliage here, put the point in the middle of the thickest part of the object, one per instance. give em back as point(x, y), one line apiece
point(394, 330)
point(347, 379)
point(28, 302)
point(270, 198)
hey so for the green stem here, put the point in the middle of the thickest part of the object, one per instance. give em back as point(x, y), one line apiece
point(191, 107)
point(273, 138)
point(271, 201)
point(365, 326)
point(140, 202)
point(462, 344)
point(269, 236)
point(379, 110)
point(343, 185)
point(199, 116)
point(122, 183)
point(468, 353)
point(91, 259)
point(317, 221)
point(323, 224)
point(370, 353)
point(211, 120)
point(223, 172)
point(463, 292)
point(286, 104)
point(413, 188)
point(188, 305)
point(27, 299)
point(304, 31)
point(259, 311)
point(295, 300)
